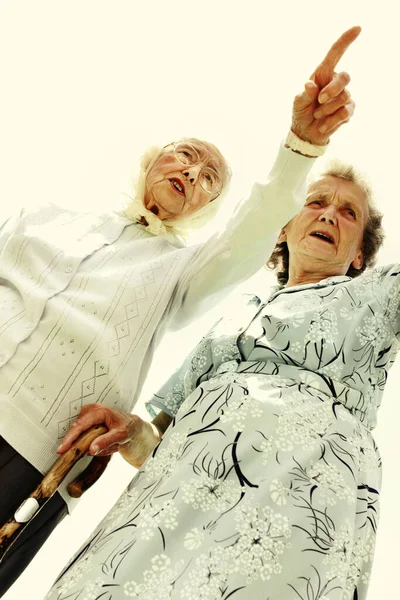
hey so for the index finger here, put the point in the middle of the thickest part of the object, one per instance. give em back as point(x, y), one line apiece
point(339, 48)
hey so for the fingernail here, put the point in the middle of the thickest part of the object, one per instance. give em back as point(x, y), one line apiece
point(96, 449)
point(323, 98)
point(59, 448)
point(318, 114)
point(323, 128)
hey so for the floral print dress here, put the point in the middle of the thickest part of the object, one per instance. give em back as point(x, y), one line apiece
point(266, 484)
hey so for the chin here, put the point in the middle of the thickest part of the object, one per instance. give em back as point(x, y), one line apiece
point(167, 201)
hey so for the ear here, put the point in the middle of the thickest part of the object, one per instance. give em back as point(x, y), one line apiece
point(358, 261)
point(282, 236)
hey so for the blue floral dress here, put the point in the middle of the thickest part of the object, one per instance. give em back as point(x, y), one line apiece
point(266, 484)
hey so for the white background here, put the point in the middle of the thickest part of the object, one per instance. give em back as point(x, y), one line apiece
point(87, 84)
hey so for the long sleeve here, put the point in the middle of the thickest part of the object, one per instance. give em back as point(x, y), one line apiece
point(386, 286)
point(248, 240)
point(194, 369)
point(7, 228)
point(205, 358)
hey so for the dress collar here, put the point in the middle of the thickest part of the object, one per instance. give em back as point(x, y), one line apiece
point(335, 280)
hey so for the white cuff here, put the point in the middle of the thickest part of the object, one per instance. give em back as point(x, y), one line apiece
point(298, 145)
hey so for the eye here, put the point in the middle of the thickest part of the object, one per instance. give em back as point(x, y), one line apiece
point(351, 212)
point(186, 154)
point(317, 202)
point(186, 157)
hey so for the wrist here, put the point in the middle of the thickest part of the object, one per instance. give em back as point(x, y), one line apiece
point(300, 146)
point(138, 449)
point(161, 422)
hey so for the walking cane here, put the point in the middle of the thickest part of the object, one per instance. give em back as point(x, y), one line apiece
point(10, 531)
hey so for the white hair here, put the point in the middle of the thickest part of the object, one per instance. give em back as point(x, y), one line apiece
point(335, 167)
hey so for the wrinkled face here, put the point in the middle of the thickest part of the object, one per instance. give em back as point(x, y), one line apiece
point(326, 235)
point(173, 190)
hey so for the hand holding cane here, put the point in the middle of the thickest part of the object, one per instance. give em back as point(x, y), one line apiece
point(49, 484)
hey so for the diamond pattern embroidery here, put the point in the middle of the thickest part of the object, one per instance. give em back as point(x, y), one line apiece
point(75, 408)
point(63, 427)
point(148, 277)
point(101, 367)
point(140, 293)
point(131, 310)
point(113, 348)
point(122, 330)
point(88, 387)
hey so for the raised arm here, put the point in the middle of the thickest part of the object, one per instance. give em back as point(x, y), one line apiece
point(248, 241)
point(7, 227)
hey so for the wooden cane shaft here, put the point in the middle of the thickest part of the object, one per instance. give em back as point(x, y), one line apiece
point(64, 464)
point(89, 476)
point(49, 484)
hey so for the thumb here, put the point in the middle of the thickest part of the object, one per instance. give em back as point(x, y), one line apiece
point(103, 442)
point(311, 89)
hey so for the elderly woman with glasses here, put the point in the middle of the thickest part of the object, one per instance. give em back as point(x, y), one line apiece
point(255, 490)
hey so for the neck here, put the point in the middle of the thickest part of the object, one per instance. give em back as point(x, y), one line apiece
point(311, 278)
point(301, 276)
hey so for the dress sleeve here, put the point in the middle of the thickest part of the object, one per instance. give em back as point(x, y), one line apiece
point(202, 363)
point(248, 240)
point(194, 369)
point(387, 290)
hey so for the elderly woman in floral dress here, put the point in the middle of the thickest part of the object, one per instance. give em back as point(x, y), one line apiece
point(266, 482)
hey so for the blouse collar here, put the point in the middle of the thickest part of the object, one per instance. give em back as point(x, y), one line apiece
point(335, 280)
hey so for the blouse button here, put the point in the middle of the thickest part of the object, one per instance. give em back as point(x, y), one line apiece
point(68, 270)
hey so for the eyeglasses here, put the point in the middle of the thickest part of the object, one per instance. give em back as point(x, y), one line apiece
point(190, 156)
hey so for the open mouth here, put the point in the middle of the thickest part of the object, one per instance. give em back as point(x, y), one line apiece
point(177, 185)
point(324, 236)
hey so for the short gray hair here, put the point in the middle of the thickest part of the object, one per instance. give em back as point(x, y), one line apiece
point(373, 233)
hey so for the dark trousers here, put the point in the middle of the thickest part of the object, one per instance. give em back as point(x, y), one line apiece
point(18, 478)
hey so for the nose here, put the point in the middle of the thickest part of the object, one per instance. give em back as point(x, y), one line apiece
point(192, 173)
point(329, 215)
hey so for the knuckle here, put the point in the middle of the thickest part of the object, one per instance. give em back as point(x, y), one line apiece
point(121, 433)
point(89, 408)
point(135, 419)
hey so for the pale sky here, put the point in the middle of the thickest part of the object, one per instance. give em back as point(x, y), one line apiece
point(86, 85)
